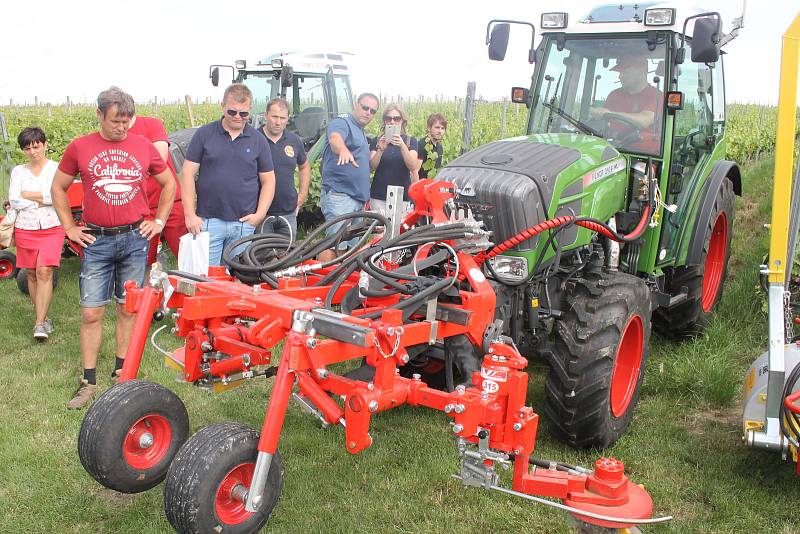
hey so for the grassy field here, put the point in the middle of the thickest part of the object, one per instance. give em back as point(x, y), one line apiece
point(684, 444)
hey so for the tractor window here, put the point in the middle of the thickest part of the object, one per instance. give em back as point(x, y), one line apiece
point(309, 93)
point(609, 87)
point(264, 87)
point(718, 97)
point(694, 123)
point(344, 96)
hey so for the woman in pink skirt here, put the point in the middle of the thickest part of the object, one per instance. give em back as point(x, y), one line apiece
point(37, 231)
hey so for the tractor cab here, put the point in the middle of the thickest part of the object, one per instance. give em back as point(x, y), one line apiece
point(316, 85)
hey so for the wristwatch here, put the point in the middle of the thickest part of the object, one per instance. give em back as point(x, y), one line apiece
point(159, 222)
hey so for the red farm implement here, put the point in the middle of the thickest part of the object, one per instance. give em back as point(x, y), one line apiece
point(393, 298)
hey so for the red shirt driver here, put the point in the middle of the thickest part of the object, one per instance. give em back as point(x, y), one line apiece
point(637, 102)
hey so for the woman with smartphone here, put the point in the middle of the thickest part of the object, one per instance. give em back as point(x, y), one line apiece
point(393, 157)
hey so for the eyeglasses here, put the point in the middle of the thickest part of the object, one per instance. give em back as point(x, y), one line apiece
point(233, 113)
point(372, 111)
point(392, 118)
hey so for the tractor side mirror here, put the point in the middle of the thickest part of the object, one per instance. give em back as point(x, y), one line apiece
point(287, 76)
point(705, 40)
point(498, 42)
point(215, 76)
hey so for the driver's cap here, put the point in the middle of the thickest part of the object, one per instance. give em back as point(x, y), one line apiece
point(627, 62)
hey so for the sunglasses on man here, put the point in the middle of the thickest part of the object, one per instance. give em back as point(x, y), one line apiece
point(371, 111)
point(392, 118)
point(233, 113)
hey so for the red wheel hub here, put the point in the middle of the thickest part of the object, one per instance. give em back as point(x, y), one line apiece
point(147, 442)
point(627, 365)
point(229, 501)
point(6, 268)
point(715, 262)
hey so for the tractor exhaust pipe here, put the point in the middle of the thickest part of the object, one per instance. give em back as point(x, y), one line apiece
point(613, 248)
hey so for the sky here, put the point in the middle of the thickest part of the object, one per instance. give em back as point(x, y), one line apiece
point(163, 48)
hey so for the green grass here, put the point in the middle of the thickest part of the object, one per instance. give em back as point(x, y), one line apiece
point(684, 444)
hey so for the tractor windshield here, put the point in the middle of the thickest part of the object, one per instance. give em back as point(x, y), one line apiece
point(609, 87)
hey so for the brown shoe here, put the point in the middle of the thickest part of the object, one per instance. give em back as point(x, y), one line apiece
point(83, 395)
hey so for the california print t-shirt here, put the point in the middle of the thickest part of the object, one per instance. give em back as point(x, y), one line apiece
point(113, 174)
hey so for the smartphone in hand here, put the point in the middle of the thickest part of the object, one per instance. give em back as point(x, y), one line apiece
point(390, 131)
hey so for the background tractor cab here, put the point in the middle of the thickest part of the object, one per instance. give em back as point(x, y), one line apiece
point(316, 85)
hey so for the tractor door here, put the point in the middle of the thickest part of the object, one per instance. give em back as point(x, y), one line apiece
point(310, 103)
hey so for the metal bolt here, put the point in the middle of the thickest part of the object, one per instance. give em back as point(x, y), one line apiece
point(448, 408)
point(460, 389)
point(205, 346)
point(370, 386)
point(460, 408)
point(174, 330)
point(146, 440)
point(390, 331)
point(517, 426)
point(416, 376)
point(322, 373)
point(458, 428)
point(311, 343)
point(352, 444)
point(491, 350)
point(373, 406)
point(404, 358)
point(484, 395)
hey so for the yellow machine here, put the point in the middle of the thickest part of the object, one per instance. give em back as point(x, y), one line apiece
point(771, 416)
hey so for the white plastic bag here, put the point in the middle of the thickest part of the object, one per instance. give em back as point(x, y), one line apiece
point(193, 253)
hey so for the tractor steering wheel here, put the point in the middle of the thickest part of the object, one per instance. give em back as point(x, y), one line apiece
point(630, 134)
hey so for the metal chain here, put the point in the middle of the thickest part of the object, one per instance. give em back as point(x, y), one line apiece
point(788, 320)
point(398, 333)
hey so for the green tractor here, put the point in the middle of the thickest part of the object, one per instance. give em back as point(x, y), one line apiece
point(624, 158)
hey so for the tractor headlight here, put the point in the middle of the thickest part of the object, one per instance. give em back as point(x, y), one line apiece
point(659, 17)
point(512, 268)
point(240, 64)
point(554, 21)
point(276, 63)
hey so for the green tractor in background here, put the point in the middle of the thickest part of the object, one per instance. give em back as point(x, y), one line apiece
point(639, 206)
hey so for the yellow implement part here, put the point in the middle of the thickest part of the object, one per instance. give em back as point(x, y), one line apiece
point(784, 153)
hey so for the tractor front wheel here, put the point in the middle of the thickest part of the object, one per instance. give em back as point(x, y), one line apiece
point(704, 281)
point(207, 483)
point(598, 358)
point(8, 265)
point(131, 434)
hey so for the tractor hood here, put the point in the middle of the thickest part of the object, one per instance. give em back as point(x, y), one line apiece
point(511, 184)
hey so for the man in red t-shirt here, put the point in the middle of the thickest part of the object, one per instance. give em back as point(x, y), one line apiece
point(112, 166)
point(637, 101)
point(174, 227)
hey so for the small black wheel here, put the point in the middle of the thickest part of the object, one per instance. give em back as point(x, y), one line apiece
point(130, 435)
point(598, 358)
point(705, 280)
point(207, 483)
point(8, 265)
point(22, 280)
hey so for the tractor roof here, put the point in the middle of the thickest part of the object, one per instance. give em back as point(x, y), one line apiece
point(313, 62)
point(626, 18)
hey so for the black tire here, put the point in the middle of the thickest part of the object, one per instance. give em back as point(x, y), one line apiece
point(598, 358)
point(216, 459)
point(109, 442)
point(22, 280)
point(8, 265)
point(704, 281)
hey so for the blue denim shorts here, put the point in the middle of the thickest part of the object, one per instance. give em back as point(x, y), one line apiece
point(108, 263)
point(334, 204)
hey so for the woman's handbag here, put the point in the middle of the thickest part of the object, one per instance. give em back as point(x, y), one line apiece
point(7, 229)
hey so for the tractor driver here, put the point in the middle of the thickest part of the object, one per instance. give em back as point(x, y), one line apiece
point(636, 104)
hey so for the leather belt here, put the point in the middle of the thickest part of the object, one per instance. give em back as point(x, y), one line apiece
point(113, 230)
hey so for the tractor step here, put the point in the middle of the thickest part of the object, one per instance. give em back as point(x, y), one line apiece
point(665, 300)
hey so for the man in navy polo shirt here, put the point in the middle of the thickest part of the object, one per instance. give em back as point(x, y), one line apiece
point(288, 154)
point(345, 164)
point(236, 181)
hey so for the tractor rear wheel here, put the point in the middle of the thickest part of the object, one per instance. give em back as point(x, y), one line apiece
point(705, 280)
point(598, 358)
point(8, 265)
point(131, 434)
point(208, 481)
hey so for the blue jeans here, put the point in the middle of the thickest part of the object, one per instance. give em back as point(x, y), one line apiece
point(108, 263)
point(221, 234)
point(280, 224)
point(334, 204)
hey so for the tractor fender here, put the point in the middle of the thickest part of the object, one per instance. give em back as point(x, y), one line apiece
point(722, 169)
